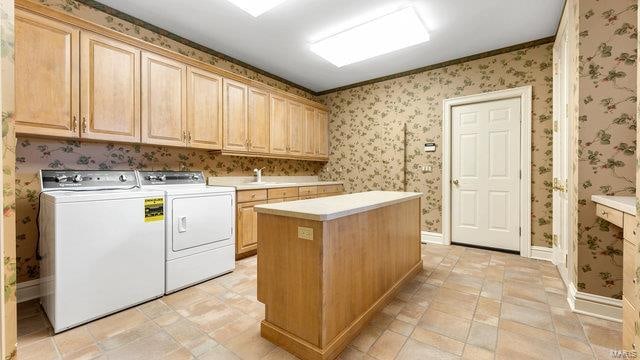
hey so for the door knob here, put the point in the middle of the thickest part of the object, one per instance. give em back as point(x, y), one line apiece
point(455, 182)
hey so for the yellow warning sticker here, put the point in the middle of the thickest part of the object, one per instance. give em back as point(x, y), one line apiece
point(153, 209)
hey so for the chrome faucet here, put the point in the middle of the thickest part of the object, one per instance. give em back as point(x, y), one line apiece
point(258, 174)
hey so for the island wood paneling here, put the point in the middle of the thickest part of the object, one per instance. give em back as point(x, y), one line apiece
point(352, 267)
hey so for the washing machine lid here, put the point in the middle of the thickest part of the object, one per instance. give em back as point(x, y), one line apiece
point(70, 196)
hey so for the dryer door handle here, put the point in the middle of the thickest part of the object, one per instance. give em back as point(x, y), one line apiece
point(182, 224)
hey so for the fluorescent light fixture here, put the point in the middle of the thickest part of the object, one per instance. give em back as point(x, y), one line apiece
point(393, 31)
point(256, 7)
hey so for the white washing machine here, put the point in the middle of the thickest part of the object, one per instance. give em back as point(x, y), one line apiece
point(199, 226)
point(101, 244)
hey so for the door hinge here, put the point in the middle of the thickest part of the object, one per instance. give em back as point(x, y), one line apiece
point(520, 174)
point(566, 259)
point(520, 231)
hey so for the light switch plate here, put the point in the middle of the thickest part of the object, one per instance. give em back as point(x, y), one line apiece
point(305, 233)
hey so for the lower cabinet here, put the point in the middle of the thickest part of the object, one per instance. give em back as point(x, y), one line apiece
point(247, 229)
point(247, 218)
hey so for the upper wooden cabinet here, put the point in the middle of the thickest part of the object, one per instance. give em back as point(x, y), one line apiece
point(75, 79)
point(258, 121)
point(204, 109)
point(322, 134)
point(295, 127)
point(234, 114)
point(164, 95)
point(278, 125)
point(110, 84)
point(46, 76)
point(309, 132)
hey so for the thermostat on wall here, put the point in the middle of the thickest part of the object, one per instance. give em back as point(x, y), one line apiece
point(430, 147)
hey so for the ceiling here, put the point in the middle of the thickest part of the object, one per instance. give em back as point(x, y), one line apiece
point(278, 41)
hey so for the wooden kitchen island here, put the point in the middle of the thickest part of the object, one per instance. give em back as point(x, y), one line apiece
point(325, 266)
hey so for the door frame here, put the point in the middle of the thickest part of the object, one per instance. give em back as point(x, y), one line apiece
point(525, 95)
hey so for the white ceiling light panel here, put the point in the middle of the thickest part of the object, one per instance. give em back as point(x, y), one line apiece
point(382, 35)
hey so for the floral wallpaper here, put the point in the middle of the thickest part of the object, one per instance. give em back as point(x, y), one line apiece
point(367, 129)
point(8, 342)
point(607, 135)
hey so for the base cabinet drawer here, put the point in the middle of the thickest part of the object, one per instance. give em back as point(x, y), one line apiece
point(251, 195)
point(629, 318)
point(611, 215)
point(330, 189)
point(308, 190)
point(282, 193)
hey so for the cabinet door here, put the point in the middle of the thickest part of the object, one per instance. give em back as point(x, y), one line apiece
point(204, 109)
point(322, 133)
point(164, 110)
point(309, 131)
point(296, 129)
point(247, 227)
point(278, 125)
point(110, 89)
point(46, 76)
point(258, 121)
point(235, 122)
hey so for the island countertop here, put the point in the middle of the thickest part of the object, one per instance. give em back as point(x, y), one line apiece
point(333, 207)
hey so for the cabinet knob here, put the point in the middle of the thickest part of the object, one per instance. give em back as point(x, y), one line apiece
point(74, 125)
point(84, 124)
point(189, 136)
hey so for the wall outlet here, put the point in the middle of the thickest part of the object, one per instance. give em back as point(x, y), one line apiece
point(427, 168)
point(305, 233)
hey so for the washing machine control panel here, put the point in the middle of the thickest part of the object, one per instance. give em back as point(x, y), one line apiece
point(172, 178)
point(62, 179)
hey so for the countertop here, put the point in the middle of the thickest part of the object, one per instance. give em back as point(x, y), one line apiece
point(333, 207)
point(268, 182)
point(626, 204)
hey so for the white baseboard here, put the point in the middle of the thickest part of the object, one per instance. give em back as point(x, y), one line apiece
point(594, 305)
point(542, 253)
point(428, 237)
point(28, 290)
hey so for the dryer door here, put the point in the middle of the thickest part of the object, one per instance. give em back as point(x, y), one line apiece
point(201, 219)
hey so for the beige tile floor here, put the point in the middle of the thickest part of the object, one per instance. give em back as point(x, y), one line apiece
point(467, 303)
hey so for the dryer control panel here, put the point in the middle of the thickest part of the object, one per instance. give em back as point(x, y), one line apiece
point(171, 178)
point(87, 179)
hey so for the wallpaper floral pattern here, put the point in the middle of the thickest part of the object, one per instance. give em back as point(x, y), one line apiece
point(607, 135)
point(367, 130)
point(9, 315)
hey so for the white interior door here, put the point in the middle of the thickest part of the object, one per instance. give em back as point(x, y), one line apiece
point(485, 174)
point(561, 162)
